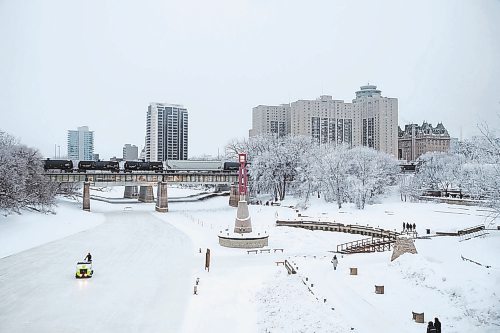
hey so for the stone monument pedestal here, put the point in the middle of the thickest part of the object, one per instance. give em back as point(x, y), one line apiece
point(243, 236)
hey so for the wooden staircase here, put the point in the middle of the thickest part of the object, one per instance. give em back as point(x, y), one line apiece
point(367, 245)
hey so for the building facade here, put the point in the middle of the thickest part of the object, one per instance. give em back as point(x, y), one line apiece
point(81, 144)
point(271, 120)
point(130, 152)
point(370, 120)
point(166, 132)
point(416, 140)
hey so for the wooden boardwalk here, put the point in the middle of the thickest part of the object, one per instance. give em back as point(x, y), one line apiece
point(380, 239)
point(339, 227)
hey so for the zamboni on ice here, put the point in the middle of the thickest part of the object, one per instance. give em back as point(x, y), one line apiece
point(84, 270)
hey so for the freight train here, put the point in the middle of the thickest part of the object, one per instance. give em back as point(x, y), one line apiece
point(131, 166)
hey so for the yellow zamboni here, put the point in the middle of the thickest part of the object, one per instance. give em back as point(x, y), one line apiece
point(84, 270)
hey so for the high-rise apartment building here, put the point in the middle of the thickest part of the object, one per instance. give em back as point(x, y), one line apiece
point(81, 144)
point(271, 119)
point(130, 152)
point(415, 140)
point(166, 132)
point(370, 120)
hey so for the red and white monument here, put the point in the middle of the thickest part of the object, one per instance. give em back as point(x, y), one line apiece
point(243, 236)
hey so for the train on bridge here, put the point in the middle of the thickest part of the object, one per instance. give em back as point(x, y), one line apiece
point(177, 166)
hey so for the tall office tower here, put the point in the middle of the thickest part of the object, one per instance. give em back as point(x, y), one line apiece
point(370, 120)
point(166, 132)
point(130, 152)
point(81, 144)
point(270, 120)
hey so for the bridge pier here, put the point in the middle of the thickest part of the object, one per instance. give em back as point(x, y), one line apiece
point(161, 198)
point(86, 196)
point(234, 196)
point(130, 192)
point(146, 194)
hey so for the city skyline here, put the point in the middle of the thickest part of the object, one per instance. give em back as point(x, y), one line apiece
point(370, 120)
point(439, 59)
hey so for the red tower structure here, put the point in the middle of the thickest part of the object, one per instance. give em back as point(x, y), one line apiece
point(242, 176)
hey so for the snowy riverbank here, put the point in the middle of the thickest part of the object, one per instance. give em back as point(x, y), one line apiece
point(250, 293)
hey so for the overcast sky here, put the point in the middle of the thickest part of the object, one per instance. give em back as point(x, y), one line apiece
point(65, 64)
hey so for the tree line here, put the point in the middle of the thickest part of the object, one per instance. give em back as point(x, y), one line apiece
point(359, 175)
point(295, 164)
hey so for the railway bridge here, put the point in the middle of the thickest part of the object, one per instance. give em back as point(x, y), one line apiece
point(145, 180)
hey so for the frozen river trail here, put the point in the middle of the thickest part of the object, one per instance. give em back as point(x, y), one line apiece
point(142, 276)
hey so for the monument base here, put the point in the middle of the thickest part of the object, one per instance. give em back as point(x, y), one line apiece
point(243, 242)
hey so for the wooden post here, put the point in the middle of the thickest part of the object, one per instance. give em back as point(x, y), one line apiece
point(207, 260)
point(86, 196)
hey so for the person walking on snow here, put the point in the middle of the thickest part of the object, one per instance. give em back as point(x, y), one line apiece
point(335, 262)
point(88, 258)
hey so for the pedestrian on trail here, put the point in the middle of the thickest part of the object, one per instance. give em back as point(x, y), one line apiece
point(414, 227)
point(335, 262)
point(431, 328)
point(437, 325)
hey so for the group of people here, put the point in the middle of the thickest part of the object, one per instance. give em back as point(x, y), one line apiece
point(409, 227)
point(434, 327)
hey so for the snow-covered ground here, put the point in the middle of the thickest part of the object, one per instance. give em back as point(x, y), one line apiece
point(242, 292)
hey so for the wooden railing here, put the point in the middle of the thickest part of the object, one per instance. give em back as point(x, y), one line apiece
point(367, 245)
point(471, 230)
point(290, 268)
point(339, 227)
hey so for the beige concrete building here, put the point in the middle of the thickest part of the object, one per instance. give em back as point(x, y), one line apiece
point(415, 140)
point(270, 120)
point(370, 120)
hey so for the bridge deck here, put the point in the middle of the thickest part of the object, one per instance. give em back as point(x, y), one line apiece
point(144, 178)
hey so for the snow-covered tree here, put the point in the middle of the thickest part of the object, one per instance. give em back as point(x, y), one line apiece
point(370, 172)
point(276, 161)
point(22, 184)
point(333, 171)
point(438, 171)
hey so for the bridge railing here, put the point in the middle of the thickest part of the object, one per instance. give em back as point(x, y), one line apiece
point(138, 178)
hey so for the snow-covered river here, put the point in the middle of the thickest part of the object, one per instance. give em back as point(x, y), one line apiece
point(142, 272)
